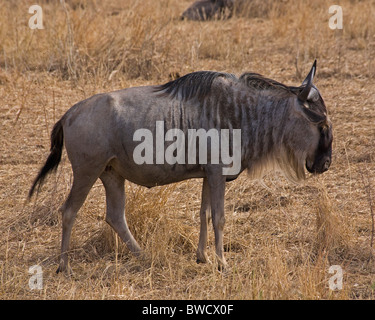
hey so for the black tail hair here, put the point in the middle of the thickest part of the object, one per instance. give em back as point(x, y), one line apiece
point(53, 160)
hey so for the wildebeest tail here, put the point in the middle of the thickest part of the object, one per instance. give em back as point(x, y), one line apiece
point(53, 160)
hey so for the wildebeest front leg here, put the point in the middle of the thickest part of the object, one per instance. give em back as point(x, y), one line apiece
point(216, 184)
point(115, 217)
point(204, 218)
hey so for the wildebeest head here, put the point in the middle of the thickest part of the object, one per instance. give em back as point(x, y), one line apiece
point(319, 127)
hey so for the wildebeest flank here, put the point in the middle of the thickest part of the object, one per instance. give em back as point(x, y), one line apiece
point(282, 128)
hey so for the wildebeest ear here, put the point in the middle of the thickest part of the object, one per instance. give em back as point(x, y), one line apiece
point(308, 83)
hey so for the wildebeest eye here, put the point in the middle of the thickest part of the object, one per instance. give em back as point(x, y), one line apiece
point(325, 136)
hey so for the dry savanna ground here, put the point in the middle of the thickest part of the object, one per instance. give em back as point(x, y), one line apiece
point(280, 239)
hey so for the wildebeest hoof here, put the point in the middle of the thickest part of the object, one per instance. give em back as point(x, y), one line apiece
point(222, 266)
point(223, 269)
point(202, 258)
point(66, 270)
point(144, 258)
point(199, 261)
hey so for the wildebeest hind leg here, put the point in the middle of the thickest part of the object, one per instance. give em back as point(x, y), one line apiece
point(82, 184)
point(115, 217)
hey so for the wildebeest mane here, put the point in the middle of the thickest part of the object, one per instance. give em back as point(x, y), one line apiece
point(257, 81)
point(197, 84)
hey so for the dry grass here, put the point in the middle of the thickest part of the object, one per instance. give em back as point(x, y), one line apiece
point(280, 240)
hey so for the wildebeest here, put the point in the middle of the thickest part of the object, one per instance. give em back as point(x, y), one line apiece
point(282, 127)
point(209, 9)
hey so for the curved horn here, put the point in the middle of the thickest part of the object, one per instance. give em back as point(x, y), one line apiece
point(308, 84)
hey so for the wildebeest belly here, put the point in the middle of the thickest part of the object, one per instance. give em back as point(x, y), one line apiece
point(151, 175)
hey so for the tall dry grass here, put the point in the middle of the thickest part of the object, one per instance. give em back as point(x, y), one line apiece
point(85, 39)
point(280, 240)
